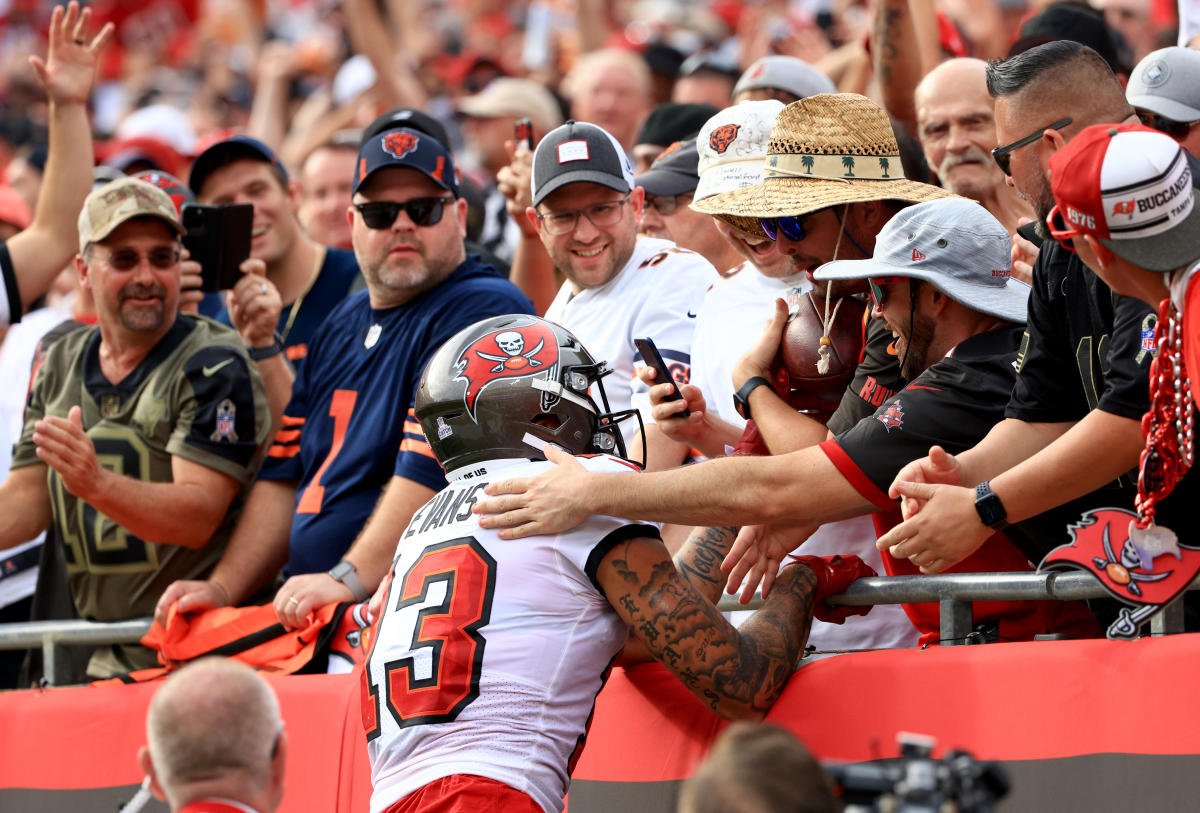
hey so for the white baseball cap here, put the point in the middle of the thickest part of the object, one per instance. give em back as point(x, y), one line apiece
point(955, 245)
point(733, 147)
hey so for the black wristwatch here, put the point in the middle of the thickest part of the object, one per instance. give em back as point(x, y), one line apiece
point(988, 506)
point(260, 353)
point(741, 398)
point(347, 574)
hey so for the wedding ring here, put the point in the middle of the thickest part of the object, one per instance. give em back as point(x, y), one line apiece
point(262, 287)
point(293, 600)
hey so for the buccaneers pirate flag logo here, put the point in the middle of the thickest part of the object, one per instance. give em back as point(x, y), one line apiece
point(1146, 569)
point(515, 351)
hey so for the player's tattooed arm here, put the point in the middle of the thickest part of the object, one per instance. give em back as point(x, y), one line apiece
point(699, 560)
point(738, 673)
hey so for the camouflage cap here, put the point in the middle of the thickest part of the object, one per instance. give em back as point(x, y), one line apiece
point(121, 200)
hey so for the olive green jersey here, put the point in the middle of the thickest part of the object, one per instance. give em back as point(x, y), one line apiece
point(195, 395)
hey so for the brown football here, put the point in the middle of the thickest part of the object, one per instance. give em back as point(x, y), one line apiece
point(801, 341)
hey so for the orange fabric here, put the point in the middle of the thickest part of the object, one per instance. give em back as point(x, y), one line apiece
point(464, 793)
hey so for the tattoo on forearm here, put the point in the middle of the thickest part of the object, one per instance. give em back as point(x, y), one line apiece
point(699, 560)
point(734, 672)
point(884, 42)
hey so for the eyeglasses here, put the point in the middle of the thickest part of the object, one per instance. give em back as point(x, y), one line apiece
point(792, 227)
point(600, 215)
point(381, 214)
point(1061, 230)
point(127, 259)
point(668, 204)
point(1001, 154)
point(878, 293)
point(1177, 130)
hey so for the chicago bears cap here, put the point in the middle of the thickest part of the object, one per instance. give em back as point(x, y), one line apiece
point(787, 73)
point(405, 148)
point(121, 200)
point(579, 152)
point(408, 117)
point(1130, 187)
point(1167, 82)
point(733, 147)
point(673, 171)
point(954, 244)
point(227, 151)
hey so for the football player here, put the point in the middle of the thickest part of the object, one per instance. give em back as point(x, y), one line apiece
point(490, 653)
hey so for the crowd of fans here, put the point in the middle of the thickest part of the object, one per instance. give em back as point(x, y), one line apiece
point(952, 174)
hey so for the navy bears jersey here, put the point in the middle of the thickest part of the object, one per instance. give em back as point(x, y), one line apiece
point(349, 426)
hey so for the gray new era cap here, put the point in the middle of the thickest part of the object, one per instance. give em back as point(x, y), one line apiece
point(788, 73)
point(673, 172)
point(1167, 82)
point(579, 152)
point(954, 244)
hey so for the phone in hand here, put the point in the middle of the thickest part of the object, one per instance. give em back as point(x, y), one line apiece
point(654, 359)
point(218, 237)
point(523, 133)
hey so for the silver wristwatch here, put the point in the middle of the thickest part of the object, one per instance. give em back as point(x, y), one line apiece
point(347, 574)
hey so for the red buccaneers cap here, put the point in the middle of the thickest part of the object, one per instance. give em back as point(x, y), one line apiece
point(1130, 187)
point(405, 148)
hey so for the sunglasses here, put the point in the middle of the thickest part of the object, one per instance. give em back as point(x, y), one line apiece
point(128, 259)
point(423, 212)
point(668, 204)
point(1177, 130)
point(876, 285)
point(792, 227)
point(1061, 230)
point(1001, 154)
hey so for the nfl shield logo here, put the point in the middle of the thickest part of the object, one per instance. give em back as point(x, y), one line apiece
point(226, 414)
point(1148, 344)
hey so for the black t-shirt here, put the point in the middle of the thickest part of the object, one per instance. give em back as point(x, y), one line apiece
point(1085, 347)
point(953, 404)
point(876, 378)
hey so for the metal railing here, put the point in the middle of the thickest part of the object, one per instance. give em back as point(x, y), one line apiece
point(954, 593)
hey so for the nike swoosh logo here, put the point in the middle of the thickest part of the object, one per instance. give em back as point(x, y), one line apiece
point(891, 349)
point(209, 371)
point(691, 315)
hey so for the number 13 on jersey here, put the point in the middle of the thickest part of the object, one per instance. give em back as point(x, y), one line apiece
point(429, 641)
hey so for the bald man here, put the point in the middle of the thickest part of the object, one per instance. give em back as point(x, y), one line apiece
point(217, 743)
point(610, 88)
point(957, 129)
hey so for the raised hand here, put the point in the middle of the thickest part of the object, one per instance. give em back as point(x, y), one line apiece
point(69, 69)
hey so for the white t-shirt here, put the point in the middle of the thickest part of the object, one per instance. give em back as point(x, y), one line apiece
point(495, 649)
point(730, 321)
point(657, 295)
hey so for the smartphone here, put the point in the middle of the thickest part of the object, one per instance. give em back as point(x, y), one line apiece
point(523, 133)
point(218, 237)
point(654, 359)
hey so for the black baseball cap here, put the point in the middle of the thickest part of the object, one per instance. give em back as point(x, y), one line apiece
point(674, 172)
point(674, 121)
point(408, 117)
point(229, 150)
point(406, 148)
point(578, 152)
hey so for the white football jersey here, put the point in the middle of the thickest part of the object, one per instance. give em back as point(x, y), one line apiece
point(490, 652)
point(656, 295)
